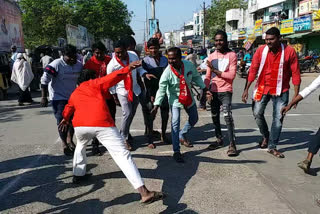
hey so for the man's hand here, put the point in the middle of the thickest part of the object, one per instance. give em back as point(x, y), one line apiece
point(116, 100)
point(63, 125)
point(150, 76)
point(245, 96)
point(209, 96)
point(154, 111)
point(210, 65)
point(44, 102)
point(134, 65)
point(152, 98)
point(285, 109)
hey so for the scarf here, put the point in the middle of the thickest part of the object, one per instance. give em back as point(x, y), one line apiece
point(185, 95)
point(259, 87)
point(102, 66)
point(128, 82)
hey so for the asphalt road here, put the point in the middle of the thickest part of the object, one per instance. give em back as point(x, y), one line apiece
point(36, 178)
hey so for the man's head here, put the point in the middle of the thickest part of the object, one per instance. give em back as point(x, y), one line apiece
point(129, 42)
point(120, 50)
point(221, 41)
point(99, 50)
point(70, 54)
point(86, 75)
point(13, 48)
point(153, 46)
point(174, 57)
point(273, 38)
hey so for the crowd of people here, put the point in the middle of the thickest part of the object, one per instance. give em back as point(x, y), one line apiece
point(85, 93)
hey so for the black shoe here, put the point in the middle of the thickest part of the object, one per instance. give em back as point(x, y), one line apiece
point(79, 179)
point(96, 150)
point(130, 138)
point(178, 157)
point(215, 145)
point(67, 151)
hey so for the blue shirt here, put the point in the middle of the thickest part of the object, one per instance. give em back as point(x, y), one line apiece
point(247, 58)
point(61, 78)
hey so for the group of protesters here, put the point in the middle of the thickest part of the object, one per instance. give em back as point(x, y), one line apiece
point(85, 95)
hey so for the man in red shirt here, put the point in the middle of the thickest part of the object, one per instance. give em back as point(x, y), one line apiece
point(274, 63)
point(98, 63)
point(91, 118)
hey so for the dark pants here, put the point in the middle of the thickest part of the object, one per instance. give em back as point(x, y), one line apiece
point(58, 107)
point(203, 99)
point(314, 145)
point(24, 96)
point(224, 99)
point(112, 108)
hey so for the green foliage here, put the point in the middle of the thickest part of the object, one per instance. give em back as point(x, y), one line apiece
point(44, 21)
point(216, 14)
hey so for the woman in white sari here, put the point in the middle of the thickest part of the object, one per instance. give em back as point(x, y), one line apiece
point(22, 75)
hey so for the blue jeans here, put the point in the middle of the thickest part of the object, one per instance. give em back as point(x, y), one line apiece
point(176, 134)
point(277, 119)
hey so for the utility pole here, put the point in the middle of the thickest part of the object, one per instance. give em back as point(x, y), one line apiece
point(204, 25)
point(147, 23)
point(153, 9)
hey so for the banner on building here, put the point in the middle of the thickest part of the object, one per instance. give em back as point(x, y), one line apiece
point(302, 23)
point(314, 5)
point(276, 8)
point(258, 27)
point(267, 26)
point(316, 15)
point(286, 26)
point(229, 35)
point(153, 26)
point(304, 7)
point(11, 27)
point(72, 35)
point(83, 37)
point(316, 25)
point(234, 35)
point(242, 34)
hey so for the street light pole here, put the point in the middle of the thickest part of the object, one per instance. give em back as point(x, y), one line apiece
point(153, 9)
point(204, 25)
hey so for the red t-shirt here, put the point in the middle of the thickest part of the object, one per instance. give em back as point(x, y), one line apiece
point(268, 75)
point(87, 103)
point(100, 67)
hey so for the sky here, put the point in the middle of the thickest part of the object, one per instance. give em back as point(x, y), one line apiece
point(171, 14)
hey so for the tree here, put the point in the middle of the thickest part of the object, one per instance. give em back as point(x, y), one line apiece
point(216, 14)
point(44, 21)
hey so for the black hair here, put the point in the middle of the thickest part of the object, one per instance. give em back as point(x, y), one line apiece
point(223, 34)
point(99, 45)
point(69, 50)
point(119, 44)
point(175, 50)
point(273, 31)
point(128, 41)
point(153, 42)
point(86, 75)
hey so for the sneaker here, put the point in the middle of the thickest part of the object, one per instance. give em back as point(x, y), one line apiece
point(96, 150)
point(67, 151)
point(79, 179)
point(305, 165)
point(178, 157)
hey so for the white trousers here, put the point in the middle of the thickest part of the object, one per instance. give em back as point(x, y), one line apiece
point(112, 140)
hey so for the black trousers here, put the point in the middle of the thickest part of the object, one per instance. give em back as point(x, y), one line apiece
point(314, 145)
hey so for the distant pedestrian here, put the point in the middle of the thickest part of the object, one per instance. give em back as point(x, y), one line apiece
point(60, 80)
point(22, 75)
point(274, 64)
point(314, 145)
point(47, 58)
point(175, 82)
point(192, 57)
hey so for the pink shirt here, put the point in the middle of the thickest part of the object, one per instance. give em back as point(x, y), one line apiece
point(227, 64)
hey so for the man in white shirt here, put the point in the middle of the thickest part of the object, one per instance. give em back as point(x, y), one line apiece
point(128, 92)
point(46, 59)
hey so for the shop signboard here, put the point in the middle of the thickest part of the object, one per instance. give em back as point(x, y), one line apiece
point(234, 35)
point(242, 34)
point(304, 7)
point(229, 35)
point(286, 26)
point(314, 5)
point(267, 26)
point(276, 8)
point(258, 27)
point(316, 25)
point(316, 14)
point(302, 23)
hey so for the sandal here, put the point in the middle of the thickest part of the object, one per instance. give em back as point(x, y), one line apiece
point(232, 151)
point(263, 143)
point(276, 153)
point(156, 197)
point(186, 143)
